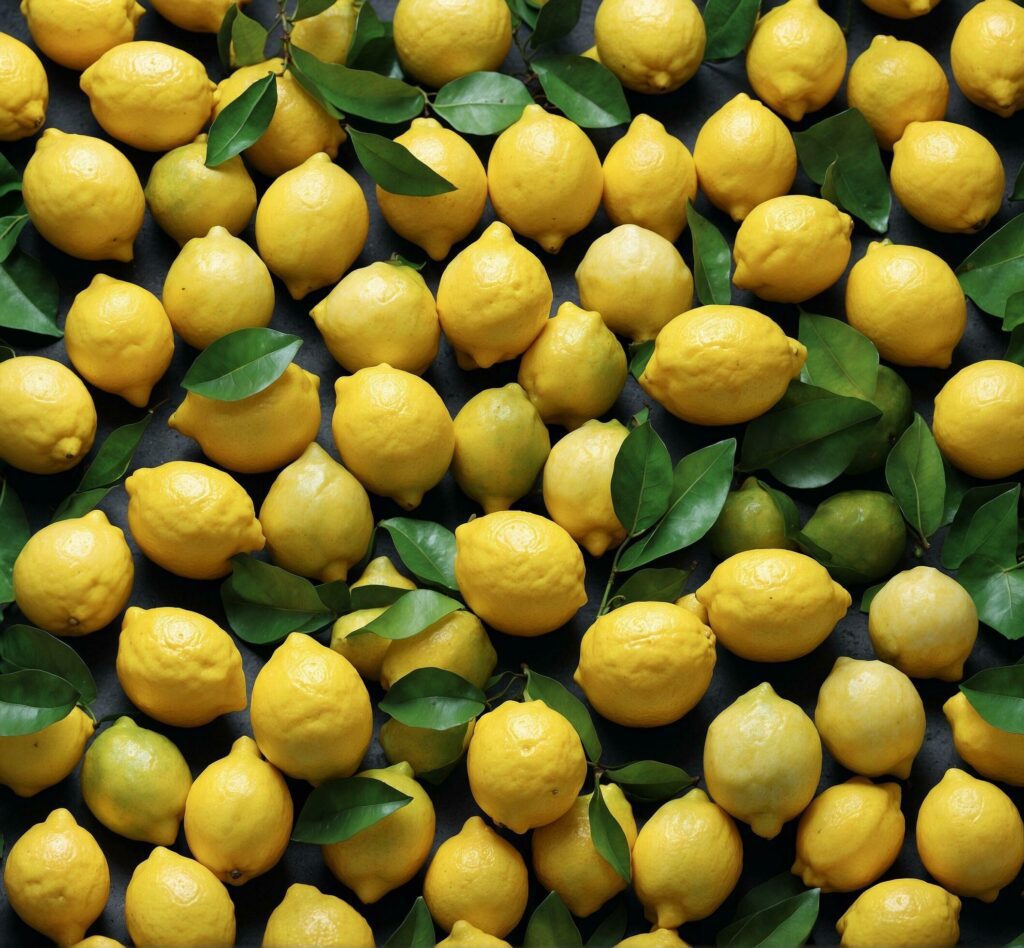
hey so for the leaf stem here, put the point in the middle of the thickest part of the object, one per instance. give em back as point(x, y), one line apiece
point(611, 579)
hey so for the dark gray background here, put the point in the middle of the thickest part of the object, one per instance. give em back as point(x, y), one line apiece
point(683, 112)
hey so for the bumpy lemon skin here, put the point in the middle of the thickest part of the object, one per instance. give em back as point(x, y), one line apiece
point(424, 750)
point(309, 917)
point(901, 911)
point(457, 643)
point(996, 754)
point(657, 938)
point(198, 16)
point(75, 33)
point(466, 935)
point(987, 56)
point(328, 35)
point(24, 90)
point(30, 763)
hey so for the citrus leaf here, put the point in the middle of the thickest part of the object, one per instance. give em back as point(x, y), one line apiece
point(14, 534)
point(248, 40)
point(917, 479)
point(957, 486)
point(335, 596)
point(997, 592)
point(555, 21)
point(786, 507)
point(640, 355)
point(242, 122)
point(868, 597)
point(224, 35)
point(31, 700)
point(375, 597)
point(606, 834)
point(557, 697)
point(787, 921)
point(10, 177)
point(994, 272)
point(304, 9)
point(653, 585)
point(839, 358)
point(427, 550)
point(27, 647)
point(712, 261)
point(417, 610)
point(729, 24)
point(588, 93)
point(650, 780)
point(28, 296)
point(416, 929)
point(11, 226)
point(986, 522)
point(611, 929)
point(340, 809)
point(241, 364)
point(523, 11)
point(395, 168)
point(373, 45)
point(551, 924)
point(641, 479)
point(482, 103)
point(1017, 194)
point(433, 698)
point(997, 694)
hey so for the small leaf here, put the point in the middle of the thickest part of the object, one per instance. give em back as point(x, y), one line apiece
point(224, 35)
point(712, 260)
point(650, 780)
point(551, 925)
point(417, 610)
point(304, 9)
point(241, 364)
point(1017, 194)
point(242, 122)
point(653, 585)
point(986, 522)
point(588, 93)
point(248, 40)
point(788, 921)
point(373, 45)
point(608, 838)
point(79, 503)
point(31, 700)
point(28, 296)
point(339, 809)
point(611, 929)
point(729, 25)
point(397, 260)
point(557, 697)
point(416, 929)
point(433, 698)
point(27, 647)
point(640, 355)
point(997, 694)
point(555, 21)
point(375, 597)
point(10, 177)
point(11, 226)
point(994, 272)
point(14, 534)
point(997, 592)
point(839, 358)
point(523, 11)
point(917, 479)
point(482, 103)
point(868, 597)
point(774, 890)
point(395, 168)
point(641, 479)
point(427, 550)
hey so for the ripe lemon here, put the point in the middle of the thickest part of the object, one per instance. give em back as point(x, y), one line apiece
point(493, 299)
point(311, 225)
point(744, 156)
point(328, 35)
point(75, 33)
point(987, 56)
point(751, 519)
point(892, 397)
point(521, 573)
point(98, 941)
point(23, 88)
point(199, 16)
point(636, 280)
point(658, 938)
point(178, 666)
point(30, 763)
point(457, 643)
point(901, 9)
point(901, 911)
point(466, 935)
point(992, 752)
point(693, 605)
point(426, 751)
point(308, 916)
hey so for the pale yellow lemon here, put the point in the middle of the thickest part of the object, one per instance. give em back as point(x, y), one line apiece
point(904, 912)
point(75, 33)
point(199, 16)
point(987, 56)
point(309, 917)
point(458, 643)
point(24, 90)
point(32, 762)
point(994, 753)
point(902, 9)
point(328, 35)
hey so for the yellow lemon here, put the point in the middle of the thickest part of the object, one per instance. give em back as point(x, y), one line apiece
point(191, 518)
point(216, 285)
point(979, 419)
point(440, 40)
point(98, 941)
point(75, 33)
point(870, 717)
point(299, 129)
point(649, 175)
point(435, 223)
point(466, 935)
point(426, 751)
point(947, 176)
point(24, 90)
point(849, 835)
point(178, 666)
point(636, 280)
point(658, 938)
point(457, 643)
point(478, 877)
point(796, 58)
point(83, 196)
point(309, 917)
point(389, 853)
point(199, 16)
point(970, 836)
point(381, 313)
point(651, 45)
point(328, 35)
point(992, 752)
point(567, 861)
point(693, 605)
point(762, 760)
point(744, 156)
point(925, 623)
point(521, 573)
point(56, 878)
point(578, 485)
point(686, 860)
point(901, 912)
point(238, 816)
point(311, 225)
point(135, 782)
point(316, 517)
point(896, 82)
point(987, 56)
point(721, 365)
point(493, 299)
point(310, 711)
point(575, 369)
point(32, 762)
point(901, 9)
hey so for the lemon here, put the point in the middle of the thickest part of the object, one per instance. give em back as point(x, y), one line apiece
point(98, 941)
point(987, 56)
point(751, 519)
point(199, 16)
point(649, 175)
point(316, 517)
point(892, 397)
point(75, 33)
point(381, 313)
point(178, 666)
point(636, 280)
point(521, 573)
point(686, 860)
point(118, 337)
point(924, 622)
point(646, 664)
point(476, 876)
point(186, 198)
point(544, 178)
point(526, 765)
point(23, 88)
point(566, 860)
point(56, 878)
point(870, 717)
point(216, 285)
point(328, 35)
point(947, 176)
point(310, 711)
point(979, 419)
point(901, 911)
point(299, 129)
point(311, 225)
point(901, 9)
point(238, 815)
point(658, 938)
point(762, 760)
point(651, 45)
point(135, 782)
point(30, 763)
point(796, 58)
point(578, 485)
point(466, 935)
point(310, 917)
point(501, 445)
point(425, 750)
point(389, 853)
point(83, 196)
point(435, 223)
point(849, 835)
point(440, 40)
point(457, 643)
point(493, 299)
point(970, 836)
point(172, 899)
point(992, 752)
point(744, 156)
point(896, 82)
point(743, 374)
point(575, 369)
point(191, 518)
point(74, 576)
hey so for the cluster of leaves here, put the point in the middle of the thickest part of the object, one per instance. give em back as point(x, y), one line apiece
point(993, 274)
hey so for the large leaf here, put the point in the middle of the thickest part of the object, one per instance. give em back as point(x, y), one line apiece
point(241, 364)
point(994, 272)
point(729, 25)
point(373, 45)
point(416, 611)
point(242, 122)
point(839, 358)
point(998, 593)
point(551, 925)
point(482, 103)
point(224, 35)
point(557, 697)
point(652, 585)
point(31, 700)
point(641, 479)
point(772, 917)
point(433, 698)
point(395, 168)
point(587, 92)
point(28, 296)
point(339, 809)
point(555, 21)
point(917, 479)
point(27, 647)
point(248, 40)
point(712, 260)
point(14, 534)
point(416, 929)
point(608, 838)
point(426, 548)
point(997, 694)
point(650, 780)
point(986, 522)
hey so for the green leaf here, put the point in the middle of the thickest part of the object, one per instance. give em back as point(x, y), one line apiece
point(427, 550)
point(994, 272)
point(588, 93)
point(248, 40)
point(1017, 942)
point(11, 226)
point(985, 523)
point(395, 168)
point(241, 364)
point(28, 296)
point(729, 25)
point(839, 358)
point(523, 11)
point(14, 534)
point(550, 925)
point(10, 177)
point(339, 809)
point(774, 890)
point(712, 261)
point(1015, 348)
point(611, 929)
point(997, 592)
point(304, 9)
point(374, 597)
point(914, 473)
point(416, 929)
point(868, 597)
point(397, 260)
point(27, 647)
point(1017, 194)
point(641, 479)
point(433, 698)
point(31, 700)
point(640, 355)
point(555, 21)
point(650, 780)
point(1014, 316)
point(786, 507)
point(957, 486)
point(846, 144)
point(373, 45)
point(997, 694)
point(606, 834)
point(768, 918)
point(224, 36)
point(335, 596)
point(417, 610)
point(6, 352)
point(482, 103)
point(653, 585)
point(557, 697)
point(242, 122)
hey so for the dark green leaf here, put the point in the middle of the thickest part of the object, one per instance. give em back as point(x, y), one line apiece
point(997, 592)
point(27, 647)
point(995, 270)
point(523, 11)
point(786, 922)
point(395, 168)
point(14, 534)
point(551, 925)
point(608, 838)
point(1017, 942)
point(242, 122)
point(31, 700)
point(433, 698)
point(373, 45)
point(557, 697)
point(729, 25)
point(917, 479)
point(587, 92)
point(11, 225)
point(868, 596)
point(339, 809)
point(712, 261)
point(641, 479)
point(785, 505)
point(416, 929)
point(417, 610)
point(1014, 316)
point(957, 486)
point(985, 523)
point(375, 597)
point(650, 780)
point(839, 358)
point(997, 694)
point(427, 550)
point(335, 596)
point(1015, 348)
point(304, 9)
point(482, 103)
point(28, 296)
point(555, 21)
point(653, 585)
point(10, 177)
point(640, 355)
point(612, 928)
point(248, 40)
point(80, 503)
point(241, 364)
point(224, 36)
point(777, 889)
point(6, 352)
point(1017, 194)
